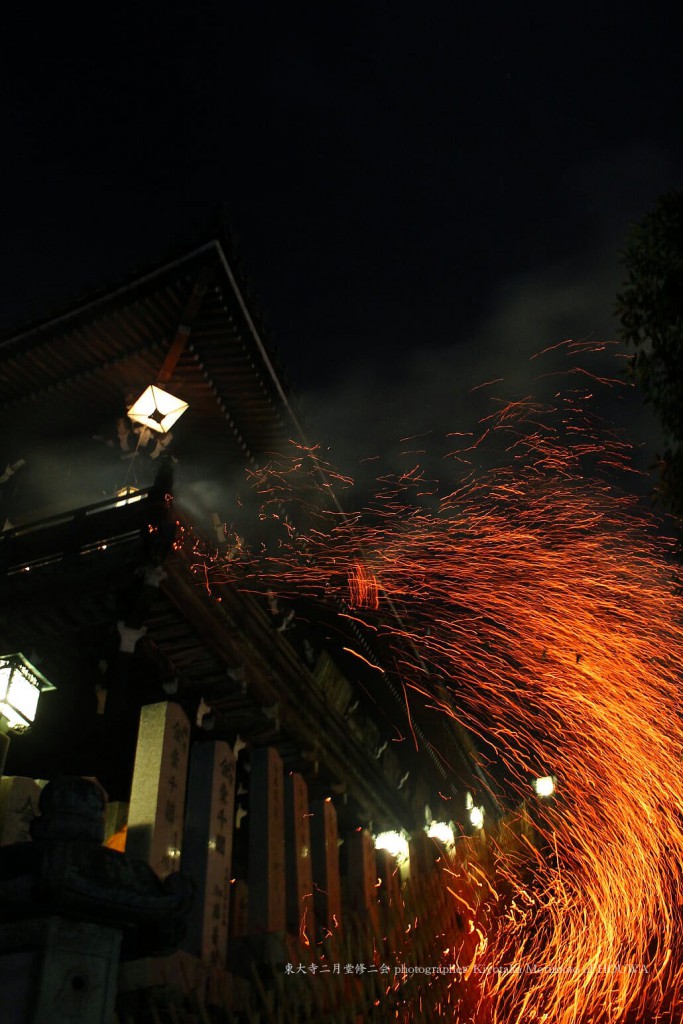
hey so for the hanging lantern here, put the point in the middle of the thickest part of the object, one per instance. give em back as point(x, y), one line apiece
point(21, 685)
point(128, 496)
point(157, 409)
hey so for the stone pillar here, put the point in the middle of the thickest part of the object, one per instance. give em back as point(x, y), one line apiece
point(157, 799)
point(300, 917)
point(325, 848)
point(266, 843)
point(18, 807)
point(207, 848)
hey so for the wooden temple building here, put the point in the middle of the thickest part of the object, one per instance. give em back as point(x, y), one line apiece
point(233, 739)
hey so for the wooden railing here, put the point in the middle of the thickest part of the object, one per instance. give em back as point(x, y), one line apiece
point(284, 930)
point(73, 533)
point(288, 937)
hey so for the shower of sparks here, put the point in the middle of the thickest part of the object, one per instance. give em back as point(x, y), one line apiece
point(545, 601)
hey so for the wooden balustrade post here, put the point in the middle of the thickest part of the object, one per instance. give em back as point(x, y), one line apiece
point(207, 848)
point(266, 873)
point(300, 916)
point(325, 850)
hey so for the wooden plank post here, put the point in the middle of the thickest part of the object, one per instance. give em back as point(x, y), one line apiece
point(362, 874)
point(266, 874)
point(207, 848)
point(389, 872)
point(239, 910)
point(157, 800)
point(325, 849)
point(299, 903)
point(423, 854)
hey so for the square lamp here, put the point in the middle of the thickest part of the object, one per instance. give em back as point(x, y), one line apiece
point(21, 685)
point(157, 409)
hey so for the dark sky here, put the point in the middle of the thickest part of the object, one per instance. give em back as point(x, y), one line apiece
point(423, 195)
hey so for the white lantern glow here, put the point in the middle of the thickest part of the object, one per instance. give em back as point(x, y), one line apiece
point(21, 685)
point(477, 817)
point(544, 786)
point(157, 409)
point(441, 831)
point(394, 843)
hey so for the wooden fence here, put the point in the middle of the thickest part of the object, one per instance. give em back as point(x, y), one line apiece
point(279, 933)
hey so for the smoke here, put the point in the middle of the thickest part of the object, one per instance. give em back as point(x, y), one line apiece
point(430, 391)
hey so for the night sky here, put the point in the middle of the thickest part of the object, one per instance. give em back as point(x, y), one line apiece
point(422, 195)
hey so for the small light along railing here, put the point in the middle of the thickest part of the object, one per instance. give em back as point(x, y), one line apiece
point(21, 685)
point(395, 843)
point(475, 813)
point(544, 786)
point(442, 831)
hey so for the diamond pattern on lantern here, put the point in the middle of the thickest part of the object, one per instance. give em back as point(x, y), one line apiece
point(157, 409)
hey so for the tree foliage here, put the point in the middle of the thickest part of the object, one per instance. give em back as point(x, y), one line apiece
point(650, 310)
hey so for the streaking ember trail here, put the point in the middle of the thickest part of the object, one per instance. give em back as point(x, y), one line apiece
point(546, 601)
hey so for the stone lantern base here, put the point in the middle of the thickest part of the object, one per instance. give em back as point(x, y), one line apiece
point(57, 971)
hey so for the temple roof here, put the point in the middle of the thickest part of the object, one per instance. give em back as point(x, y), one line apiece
point(65, 381)
point(88, 362)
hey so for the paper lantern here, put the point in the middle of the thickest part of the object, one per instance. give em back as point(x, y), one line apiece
point(21, 685)
point(157, 409)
